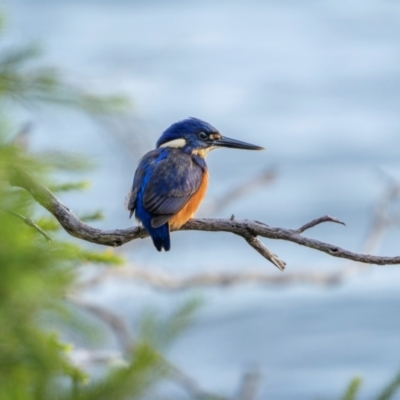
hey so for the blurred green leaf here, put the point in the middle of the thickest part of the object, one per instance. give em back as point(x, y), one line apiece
point(69, 186)
point(23, 79)
point(353, 389)
point(160, 331)
point(66, 161)
point(105, 104)
point(92, 216)
point(49, 224)
point(103, 257)
point(391, 389)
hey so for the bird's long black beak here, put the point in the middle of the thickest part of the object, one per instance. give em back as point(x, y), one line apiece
point(235, 144)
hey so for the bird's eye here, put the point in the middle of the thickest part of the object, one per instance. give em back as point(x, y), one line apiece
point(202, 135)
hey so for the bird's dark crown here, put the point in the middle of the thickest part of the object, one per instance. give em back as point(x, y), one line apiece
point(197, 137)
point(191, 130)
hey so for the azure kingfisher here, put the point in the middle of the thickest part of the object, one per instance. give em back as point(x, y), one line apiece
point(171, 181)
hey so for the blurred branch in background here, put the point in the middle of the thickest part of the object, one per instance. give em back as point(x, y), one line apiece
point(243, 189)
point(383, 218)
point(250, 385)
point(167, 281)
point(117, 325)
point(131, 136)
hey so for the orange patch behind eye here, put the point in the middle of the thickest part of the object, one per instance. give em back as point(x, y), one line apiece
point(190, 208)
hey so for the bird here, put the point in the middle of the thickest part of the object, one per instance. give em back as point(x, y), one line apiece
point(171, 181)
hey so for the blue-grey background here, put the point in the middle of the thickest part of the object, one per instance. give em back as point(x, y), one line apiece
point(317, 83)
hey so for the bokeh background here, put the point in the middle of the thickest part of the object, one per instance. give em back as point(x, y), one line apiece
point(318, 85)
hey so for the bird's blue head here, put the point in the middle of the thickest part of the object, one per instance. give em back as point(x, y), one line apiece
point(195, 136)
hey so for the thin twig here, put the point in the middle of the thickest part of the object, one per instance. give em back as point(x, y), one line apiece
point(317, 221)
point(256, 244)
point(29, 222)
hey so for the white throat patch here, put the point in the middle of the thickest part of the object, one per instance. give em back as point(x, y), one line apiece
point(204, 152)
point(176, 143)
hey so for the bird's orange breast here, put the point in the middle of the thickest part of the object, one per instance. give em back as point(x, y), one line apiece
point(190, 208)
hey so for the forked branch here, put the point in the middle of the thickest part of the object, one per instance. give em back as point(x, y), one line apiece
point(249, 230)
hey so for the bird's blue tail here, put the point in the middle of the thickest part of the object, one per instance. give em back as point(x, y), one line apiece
point(160, 237)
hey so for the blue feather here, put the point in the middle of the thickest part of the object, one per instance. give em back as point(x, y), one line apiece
point(159, 235)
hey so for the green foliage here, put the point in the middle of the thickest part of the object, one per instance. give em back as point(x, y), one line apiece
point(92, 216)
point(69, 186)
point(387, 393)
point(144, 371)
point(37, 275)
point(48, 223)
point(353, 389)
point(23, 79)
point(106, 256)
point(36, 278)
point(391, 389)
point(160, 331)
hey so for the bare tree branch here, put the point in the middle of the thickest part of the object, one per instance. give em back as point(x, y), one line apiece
point(381, 222)
point(244, 228)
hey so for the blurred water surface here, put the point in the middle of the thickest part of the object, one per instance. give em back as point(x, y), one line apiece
point(318, 85)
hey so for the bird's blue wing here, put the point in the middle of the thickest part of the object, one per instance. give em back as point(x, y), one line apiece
point(139, 179)
point(132, 198)
point(173, 179)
